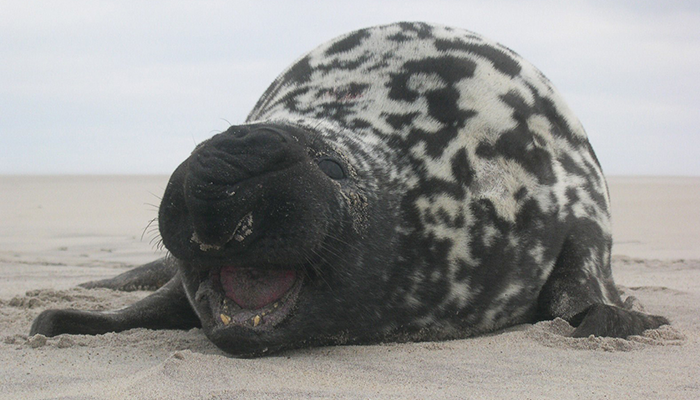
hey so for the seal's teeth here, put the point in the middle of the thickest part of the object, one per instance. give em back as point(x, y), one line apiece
point(275, 305)
point(256, 320)
point(244, 228)
point(225, 319)
point(203, 246)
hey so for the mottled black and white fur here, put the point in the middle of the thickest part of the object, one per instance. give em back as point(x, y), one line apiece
point(402, 182)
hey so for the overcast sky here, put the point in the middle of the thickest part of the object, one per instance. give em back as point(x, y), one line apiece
point(129, 87)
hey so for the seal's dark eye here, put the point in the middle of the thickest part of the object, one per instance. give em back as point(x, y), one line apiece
point(331, 168)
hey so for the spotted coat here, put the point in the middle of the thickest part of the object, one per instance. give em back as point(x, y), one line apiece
point(400, 183)
point(492, 176)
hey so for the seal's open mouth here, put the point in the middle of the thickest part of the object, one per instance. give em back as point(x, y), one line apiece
point(253, 288)
point(257, 298)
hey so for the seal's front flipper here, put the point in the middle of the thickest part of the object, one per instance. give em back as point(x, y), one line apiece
point(167, 308)
point(613, 321)
point(149, 276)
point(581, 290)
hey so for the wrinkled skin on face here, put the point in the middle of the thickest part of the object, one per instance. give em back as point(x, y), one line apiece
point(265, 224)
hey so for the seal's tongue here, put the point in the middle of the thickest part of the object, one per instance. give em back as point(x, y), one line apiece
point(252, 288)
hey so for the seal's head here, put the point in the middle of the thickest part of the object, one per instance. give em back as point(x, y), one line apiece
point(264, 220)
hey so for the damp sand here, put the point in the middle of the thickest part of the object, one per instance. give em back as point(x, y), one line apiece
point(61, 231)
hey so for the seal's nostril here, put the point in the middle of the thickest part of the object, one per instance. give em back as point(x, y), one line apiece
point(271, 133)
point(238, 154)
point(244, 136)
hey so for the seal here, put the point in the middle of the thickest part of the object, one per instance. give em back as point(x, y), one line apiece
point(406, 182)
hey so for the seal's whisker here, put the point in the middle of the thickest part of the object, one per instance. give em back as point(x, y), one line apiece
point(150, 223)
point(157, 243)
point(319, 272)
point(343, 242)
point(332, 251)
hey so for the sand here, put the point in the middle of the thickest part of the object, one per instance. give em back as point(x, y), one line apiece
point(57, 232)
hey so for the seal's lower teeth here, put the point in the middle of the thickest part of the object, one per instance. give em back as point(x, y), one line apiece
point(256, 320)
point(225, 319)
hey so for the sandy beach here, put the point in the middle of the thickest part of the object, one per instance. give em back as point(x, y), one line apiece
point(57, 232)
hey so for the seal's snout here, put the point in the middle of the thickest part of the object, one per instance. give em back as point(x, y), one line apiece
point(242, 194)
point(236, 155)
point(225, 181)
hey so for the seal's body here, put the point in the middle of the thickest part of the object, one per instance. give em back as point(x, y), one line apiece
point(402, 182)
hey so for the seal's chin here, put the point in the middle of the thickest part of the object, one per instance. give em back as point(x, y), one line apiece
point(251, 298)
